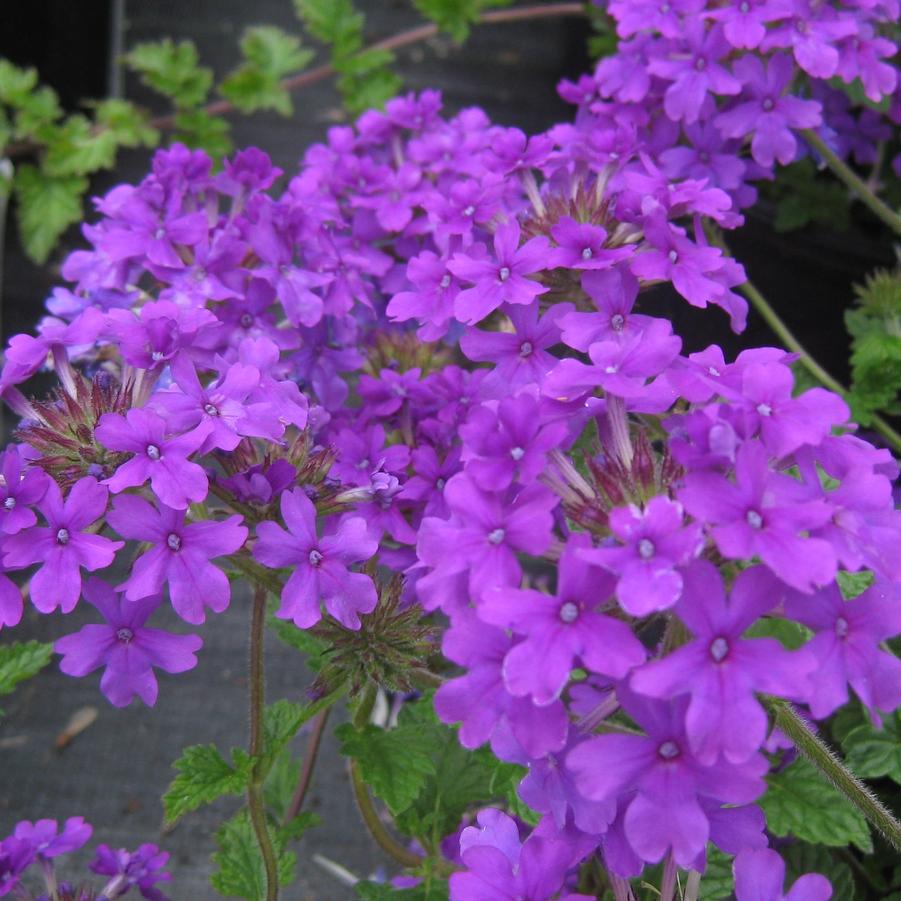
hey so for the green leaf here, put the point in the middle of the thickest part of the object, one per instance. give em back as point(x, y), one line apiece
point(172, 69)
point(75, 148)
point(15, 83)
point(21, 660)
point(717, 881)
point(801, 858)
point(46, 208)
point(800, 802)
point(871, 753)
point(789, 633)
point(203, 777)
point(270, 55)
point(301, 640)
point(453, 16)
point(802, 197)
point(368, 89)
point(40, 109)
point(435, 890)
point(333, 22)
point(395, 763)
point(857, 94)
point(197, 128)
point(240, 865)
point(854, 584)
point(129, 125)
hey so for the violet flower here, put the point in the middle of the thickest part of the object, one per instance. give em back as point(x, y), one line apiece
point(142, 869)
point(125, 647)
point(760, 874)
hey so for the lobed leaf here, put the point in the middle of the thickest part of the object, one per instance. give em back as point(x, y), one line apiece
point(46, 208)
point(21, 660)
point(204, 775)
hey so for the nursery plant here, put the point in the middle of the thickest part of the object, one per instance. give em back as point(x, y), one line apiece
point(635, 609)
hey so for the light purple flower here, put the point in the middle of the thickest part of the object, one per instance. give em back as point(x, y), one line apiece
point(180, 555)
point(64, 546)
point(142, 868)
point(125, 647)
point(760, 874)
point(321, 571)
point(48, 840)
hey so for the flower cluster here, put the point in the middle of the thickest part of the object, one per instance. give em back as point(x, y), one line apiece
point(37, 845)
point(426, 355)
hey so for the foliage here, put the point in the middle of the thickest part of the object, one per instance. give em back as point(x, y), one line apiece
point(22, 660)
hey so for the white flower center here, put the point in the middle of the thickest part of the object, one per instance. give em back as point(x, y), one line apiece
point(755, 520)
point(504, 273)
point(153, 452)
point(62, 536)
point(525, 348)
point(9, 503)
point(569, 612)
point(646, 548)
point(668, 750)
point(315, 557)
point(719, 647)
point(496, 536)
point(517, 453)
point(173, 541)
point(125, 634)
point(841, 627)
point(617, 321)
point(587, 253)
point(673, 256)
point(764, 409)
point(445, 281)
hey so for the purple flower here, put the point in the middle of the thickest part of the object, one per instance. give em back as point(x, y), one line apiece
point(47, 840)
point(431, 302)
point(16, 856)
point(174, 479)
point(580, 245)
point(654, 545)
point(321, 571)
point(744, 21)
point(847, 646)
point(660, 781)
point(770, 114)
point(720, 670)
point(125, 647)
point(502, 279)
point(142, 868)
point(508, 442)
point(561, 631)
point(18, 491)
point(361, 452)
point(760, 874)
point(762, 514)
point(520, 358)
point(64, 546)
point(180, 555)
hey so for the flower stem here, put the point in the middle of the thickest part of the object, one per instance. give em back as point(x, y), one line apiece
point(309, 762)
point(255, 788)
point(830, 766)
point(376, 827)
point(857, 185)
point(782, 331)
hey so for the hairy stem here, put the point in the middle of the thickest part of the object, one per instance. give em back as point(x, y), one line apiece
point(782, 331)
point(309, 762)
point(255, 789)
point(832, 768)
point(375, 826)
point(857, 185)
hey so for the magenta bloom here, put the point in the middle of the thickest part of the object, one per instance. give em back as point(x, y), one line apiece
point(321, 571)
point(761, 514)
point(18, 491)
point(580, 245)
point(760, 874)
point(720, 670)
point(180, 555)
point(654, 545)
point(142, 868)
point(660, 781)
point(47, 840)
point(64, 546)
point(563, 630)
point(126, 649)
point(502, 279)
point(847, 646)
point(174, 479)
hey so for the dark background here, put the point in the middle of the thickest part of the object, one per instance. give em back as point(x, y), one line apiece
point(115, 771)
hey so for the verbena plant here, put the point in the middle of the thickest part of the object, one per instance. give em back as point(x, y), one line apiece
point(627, 601)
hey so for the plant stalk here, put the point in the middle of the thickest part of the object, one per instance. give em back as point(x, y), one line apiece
point(375, 826)
point(309, 762)
point(857, 185)
point(255, 802)
point(832, 768)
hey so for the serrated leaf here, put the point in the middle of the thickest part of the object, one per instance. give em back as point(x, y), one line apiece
point(250, 90)
point(395, 763)
point(452, 16)
point(717, 881)
point(274, 51)
point(173, 70)
point(198, 129)
point(46, 208)
point(871, 753)
point(129, 124)
point(16, 83)
point(38, 110)
point(240, 865)
point(801, 858)
point(800, 802)
point(21, 660)
point(434, 890)
point(204, 775)
point(75, 148)
point(368, 89)
point(333, 22)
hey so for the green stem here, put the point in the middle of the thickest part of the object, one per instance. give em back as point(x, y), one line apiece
point(255, 788)
point(857, 185)
point(376, 827)
point(830, 766)
point(782, 331)
point(309, 762)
